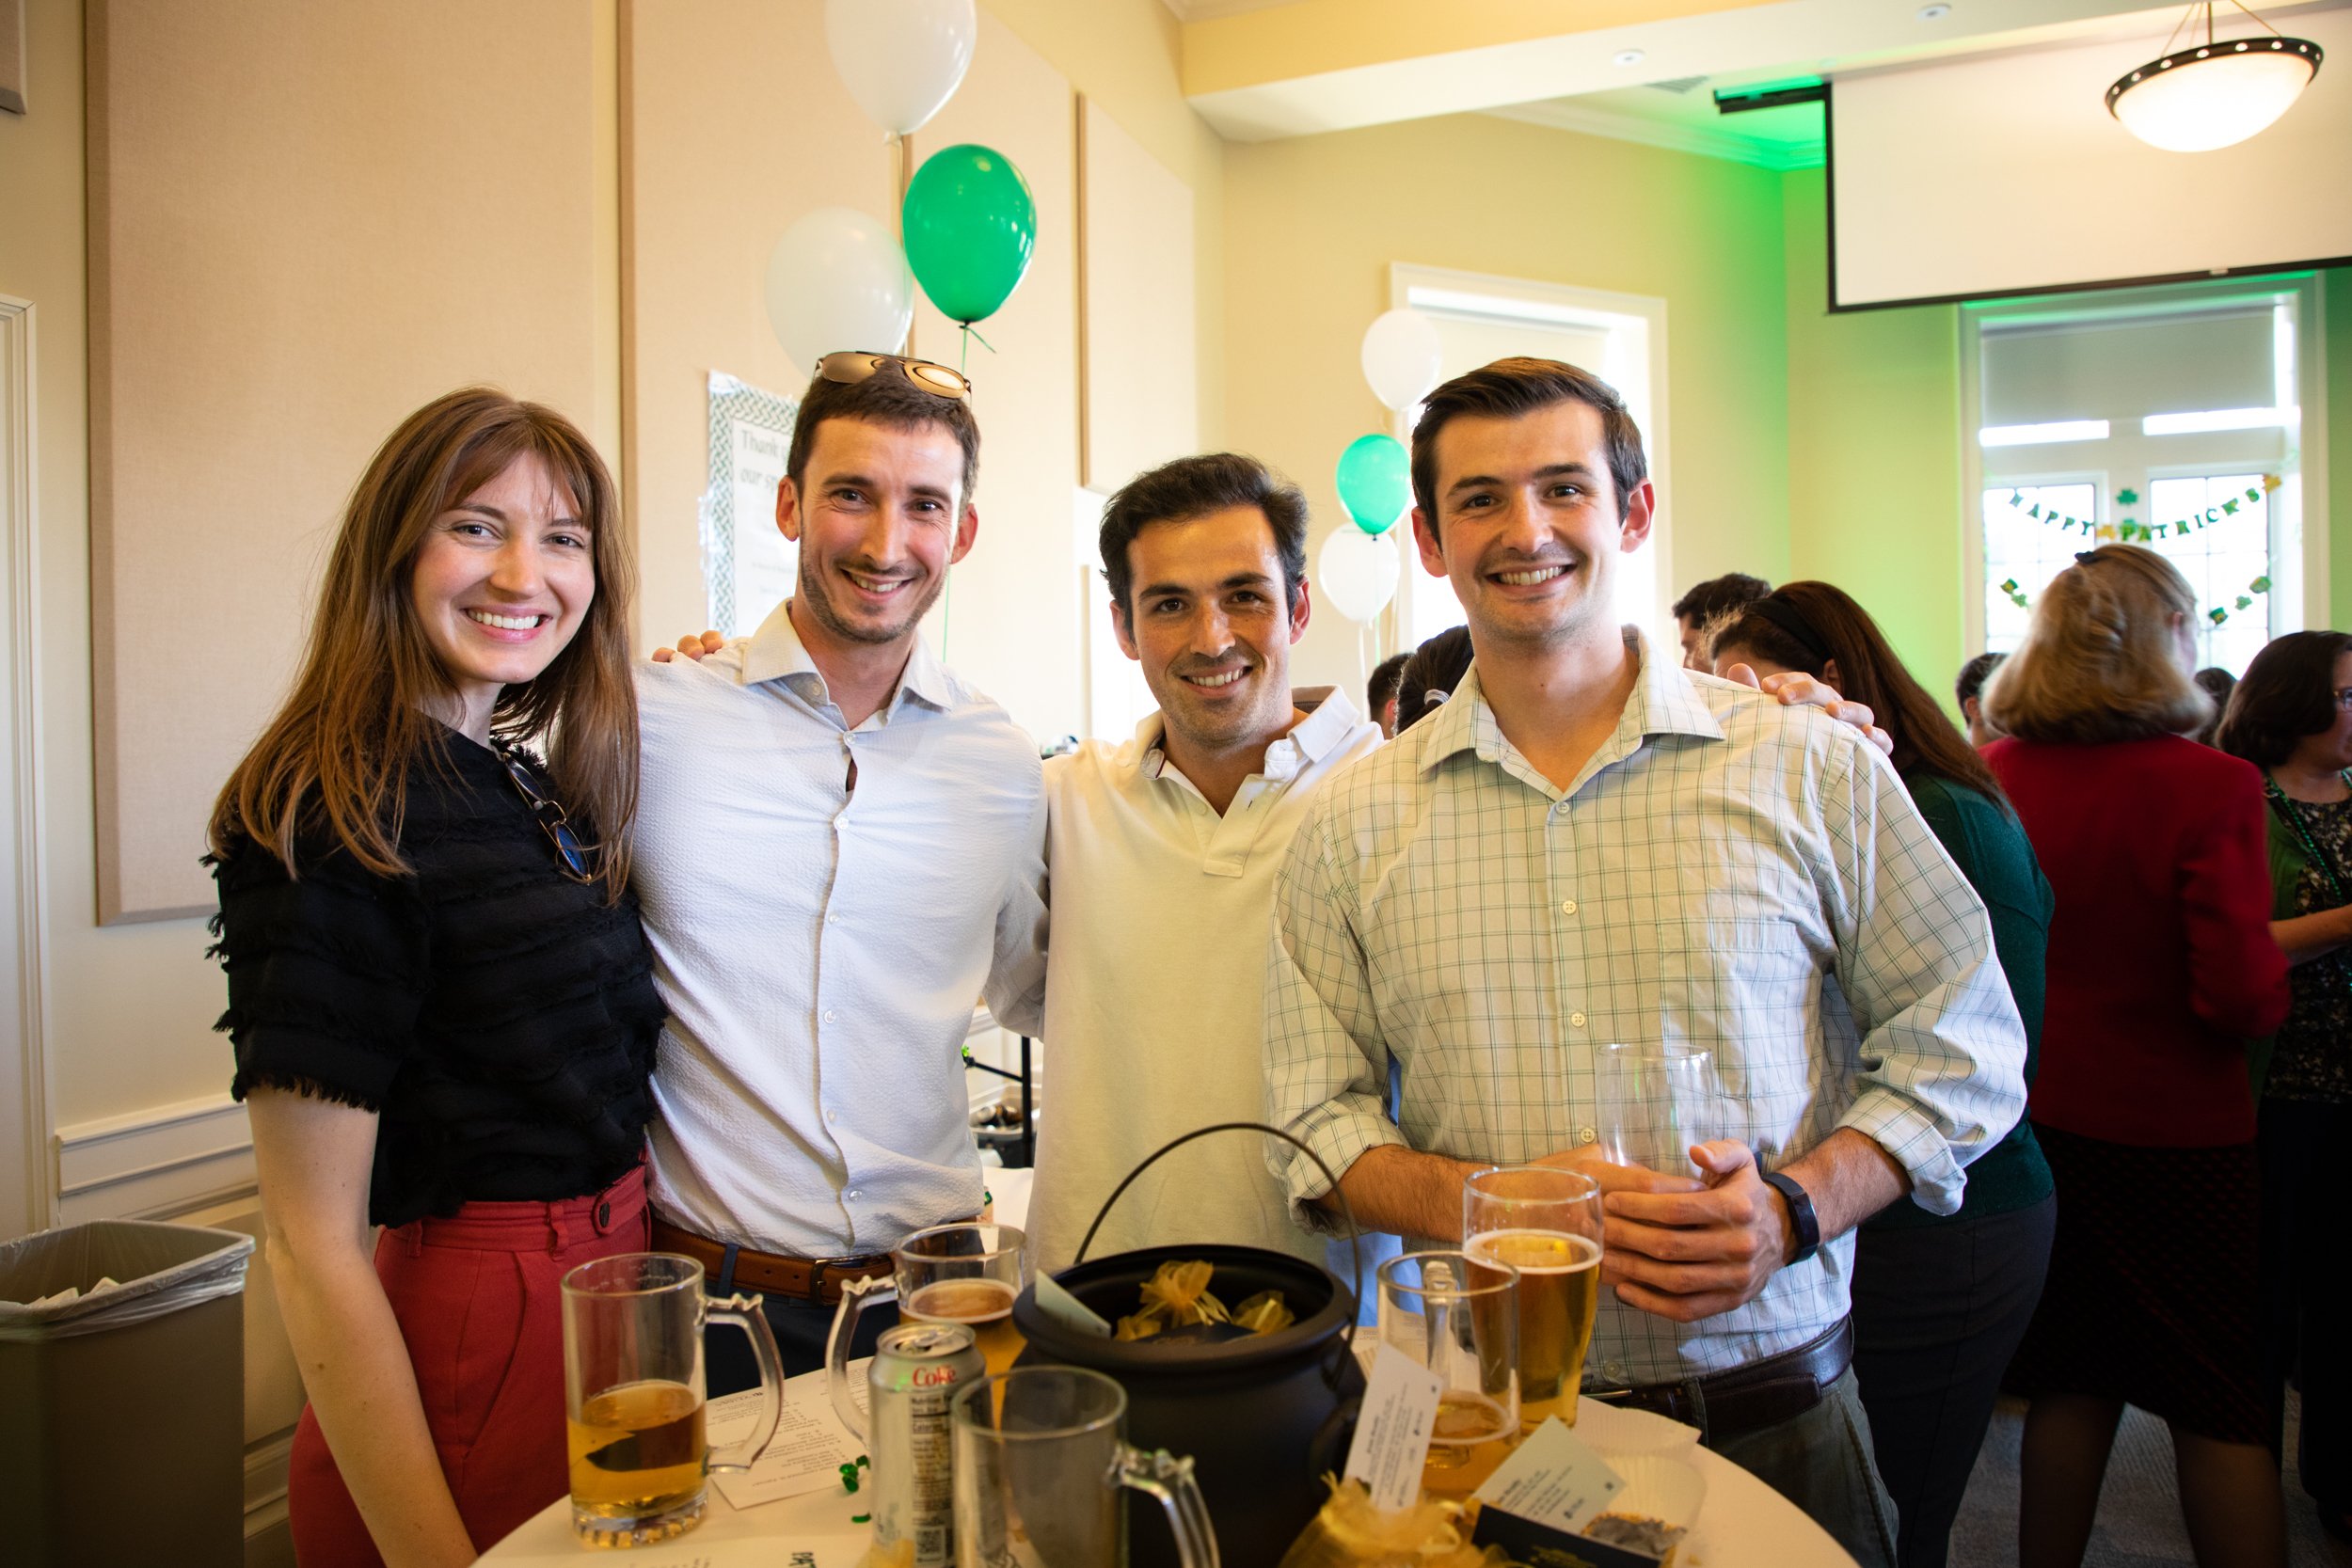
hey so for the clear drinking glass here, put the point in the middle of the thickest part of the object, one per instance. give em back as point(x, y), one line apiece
point(1041, 1458)
point(967, 1273)
point(1546, 1223)
point(1656, 1101)
point(1458, 1316)
point(633, 1395)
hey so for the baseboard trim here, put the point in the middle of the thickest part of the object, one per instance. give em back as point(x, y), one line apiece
point(265, 1482)
point(154, 1163)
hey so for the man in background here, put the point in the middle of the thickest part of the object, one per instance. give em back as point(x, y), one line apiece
point(1588, 844)
point(1970, 690)
point(1380, 693)
point(1697, 613)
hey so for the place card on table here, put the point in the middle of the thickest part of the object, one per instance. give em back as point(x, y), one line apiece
point(808, 1453)
point(1400, 1410)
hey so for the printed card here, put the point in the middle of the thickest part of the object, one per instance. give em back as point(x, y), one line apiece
point(1392, 1434)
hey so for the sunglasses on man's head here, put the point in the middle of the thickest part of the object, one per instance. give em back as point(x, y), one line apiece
point(579, 859)
point(938, 380)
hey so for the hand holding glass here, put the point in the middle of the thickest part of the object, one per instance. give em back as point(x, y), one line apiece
point(1546, 1223)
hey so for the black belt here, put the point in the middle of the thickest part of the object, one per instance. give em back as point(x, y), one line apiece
point(1743, 1400)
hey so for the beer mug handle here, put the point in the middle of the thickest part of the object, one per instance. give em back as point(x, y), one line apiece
point(856, 1296)
point(744, 1313)
point(1159, 1474)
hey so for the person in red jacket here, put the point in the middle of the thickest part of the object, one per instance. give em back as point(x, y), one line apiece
point(2161, 967)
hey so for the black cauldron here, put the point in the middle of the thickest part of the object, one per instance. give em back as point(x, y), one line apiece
point(1264, 1416)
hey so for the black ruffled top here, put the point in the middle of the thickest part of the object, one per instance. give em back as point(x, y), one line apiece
point(499, 1017)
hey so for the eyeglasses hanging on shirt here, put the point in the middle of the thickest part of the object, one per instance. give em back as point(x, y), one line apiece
point(579, 859)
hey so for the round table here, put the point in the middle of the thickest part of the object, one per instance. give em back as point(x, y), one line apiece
point(1743, 1524)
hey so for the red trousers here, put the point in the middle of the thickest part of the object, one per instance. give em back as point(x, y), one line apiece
point(478, 1301)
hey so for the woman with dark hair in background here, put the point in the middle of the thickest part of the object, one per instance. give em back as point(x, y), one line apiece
point(2161, 967)
point(1939, 1302)
point(442, 1000)
point(2292, 718)
point(1430, 674)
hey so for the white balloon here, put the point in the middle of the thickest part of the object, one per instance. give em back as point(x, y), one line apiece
point(1401, 356)
point(836, 281)
point(1356, 572)
point(901, 60)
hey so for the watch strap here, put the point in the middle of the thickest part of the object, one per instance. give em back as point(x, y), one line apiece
point(1800, 1215)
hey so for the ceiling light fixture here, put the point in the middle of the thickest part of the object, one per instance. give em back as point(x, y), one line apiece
point(2216, 93)
point(1629, 56)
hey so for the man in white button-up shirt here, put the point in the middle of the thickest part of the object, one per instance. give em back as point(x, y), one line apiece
point(839, 847)
point(1163, 854)
point(1588, 845)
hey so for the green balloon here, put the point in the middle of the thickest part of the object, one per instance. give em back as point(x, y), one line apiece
point(971, 226)
point(1376, 482)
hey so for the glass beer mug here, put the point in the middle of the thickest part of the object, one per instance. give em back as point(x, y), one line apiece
point(633, 1395)
point(965, 1273)
point(1041, 1458)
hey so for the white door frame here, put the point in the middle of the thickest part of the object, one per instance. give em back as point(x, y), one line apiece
point(27, 1161)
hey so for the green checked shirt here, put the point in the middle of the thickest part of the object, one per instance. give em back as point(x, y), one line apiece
point(1724, 871)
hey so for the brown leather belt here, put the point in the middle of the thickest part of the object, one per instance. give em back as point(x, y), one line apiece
point(810, 1279)
point(1743, 1400)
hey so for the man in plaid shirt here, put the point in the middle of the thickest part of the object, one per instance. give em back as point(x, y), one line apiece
point(1591, 844)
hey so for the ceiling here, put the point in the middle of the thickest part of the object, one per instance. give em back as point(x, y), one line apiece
point(1642, 71)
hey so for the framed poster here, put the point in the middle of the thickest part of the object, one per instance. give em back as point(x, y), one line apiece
point(748, 565)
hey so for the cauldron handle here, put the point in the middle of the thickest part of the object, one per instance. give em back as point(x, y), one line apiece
point(1347, 1212)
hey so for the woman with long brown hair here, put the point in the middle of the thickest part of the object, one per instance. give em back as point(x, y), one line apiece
point(440, 998)
point(1939, 1302)
point(2162, 966)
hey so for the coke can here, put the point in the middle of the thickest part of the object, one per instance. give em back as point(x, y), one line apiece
point(917, 1371)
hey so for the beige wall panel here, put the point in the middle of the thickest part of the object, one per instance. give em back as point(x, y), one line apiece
point(305, 220)
point(1012, 624)
point(733, 124)
point(1142, 395)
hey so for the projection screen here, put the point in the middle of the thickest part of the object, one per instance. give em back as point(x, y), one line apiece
point(2006, 175)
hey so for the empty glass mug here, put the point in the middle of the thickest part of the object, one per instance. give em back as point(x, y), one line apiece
point(633, 1395)
point(968, 1273)
point(1041, 1458)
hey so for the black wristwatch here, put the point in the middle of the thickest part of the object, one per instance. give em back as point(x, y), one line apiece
point(1799, 1215)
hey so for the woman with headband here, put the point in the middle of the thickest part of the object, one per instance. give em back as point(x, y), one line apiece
point(1939, 1302)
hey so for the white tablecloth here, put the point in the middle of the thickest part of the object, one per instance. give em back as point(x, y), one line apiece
point(1743, 1524)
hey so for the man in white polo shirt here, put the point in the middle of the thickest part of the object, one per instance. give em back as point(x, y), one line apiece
point(839, 847)
point(1163, 854)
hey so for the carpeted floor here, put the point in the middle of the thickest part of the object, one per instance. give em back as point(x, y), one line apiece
point(2140, 1512)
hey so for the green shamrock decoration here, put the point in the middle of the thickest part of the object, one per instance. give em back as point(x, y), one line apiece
point(2127, 498)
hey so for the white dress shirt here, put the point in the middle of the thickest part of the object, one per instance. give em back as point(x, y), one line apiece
point(820, 946)
point(1724, 872)
point(1154, 998)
